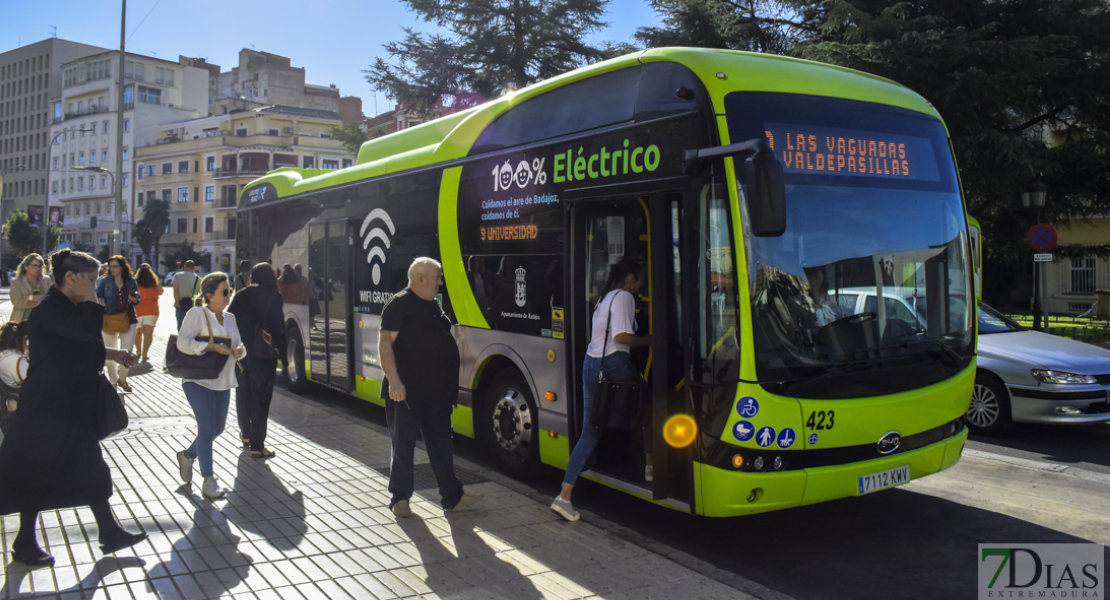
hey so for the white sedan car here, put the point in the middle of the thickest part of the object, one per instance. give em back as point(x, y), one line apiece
point(1028, 376)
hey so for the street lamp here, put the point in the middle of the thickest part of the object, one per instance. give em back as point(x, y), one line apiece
point(117, 230)
point(1034, 198)
point(49, 167)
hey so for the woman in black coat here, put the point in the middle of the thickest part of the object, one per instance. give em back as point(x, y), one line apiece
point(259, 305)
point(51, 457)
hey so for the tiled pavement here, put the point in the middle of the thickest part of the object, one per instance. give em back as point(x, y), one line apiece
point(313, 523)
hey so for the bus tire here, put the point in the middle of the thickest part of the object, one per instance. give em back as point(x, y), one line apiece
point(293, 362)
point(509, 424)
point(989, 412)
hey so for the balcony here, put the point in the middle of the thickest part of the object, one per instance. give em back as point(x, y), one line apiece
point(248, 171)
point(92, 110)
point(225, 204)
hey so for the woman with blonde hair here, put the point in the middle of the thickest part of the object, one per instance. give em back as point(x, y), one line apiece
point(29, 286)
point(150, 288)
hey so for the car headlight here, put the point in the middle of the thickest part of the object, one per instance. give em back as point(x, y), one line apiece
point(1061, 377)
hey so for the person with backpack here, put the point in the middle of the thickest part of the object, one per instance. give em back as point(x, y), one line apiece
point(185, 287)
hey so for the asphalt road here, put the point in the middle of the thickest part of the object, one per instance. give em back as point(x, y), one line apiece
point(915, 542)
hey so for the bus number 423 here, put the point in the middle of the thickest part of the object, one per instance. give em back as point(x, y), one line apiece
point(821, 419)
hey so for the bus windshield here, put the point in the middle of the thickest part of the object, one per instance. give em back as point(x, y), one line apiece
point(867, 291)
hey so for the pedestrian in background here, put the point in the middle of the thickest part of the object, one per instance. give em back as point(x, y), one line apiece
point(209, 397)
point(118, 293)
point(13, 353)
point(29, 286)
point(51, 457)
point(243, 279)
point(259, 313)
point(185, 286)
point(421, 362)
point(150, 289)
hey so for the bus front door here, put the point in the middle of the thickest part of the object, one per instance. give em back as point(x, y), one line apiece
point(329, 340)
point(645, 229)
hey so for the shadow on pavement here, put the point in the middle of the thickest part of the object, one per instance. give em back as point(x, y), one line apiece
point(261, 504)
point(1067, 445)
point(16, 573)
point(463, 555)
point(207, 549)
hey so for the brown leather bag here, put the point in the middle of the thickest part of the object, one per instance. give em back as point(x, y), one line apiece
point(117, 323)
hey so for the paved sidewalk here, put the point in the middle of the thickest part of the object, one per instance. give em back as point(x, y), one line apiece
point(313, 523)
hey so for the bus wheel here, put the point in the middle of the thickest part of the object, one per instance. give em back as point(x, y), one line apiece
point(989, 413)
point(510, 424)
point(293, 363)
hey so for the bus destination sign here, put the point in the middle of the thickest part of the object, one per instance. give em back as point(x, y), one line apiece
point(816, 150)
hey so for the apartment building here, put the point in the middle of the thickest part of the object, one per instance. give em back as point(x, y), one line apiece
point(83, 163)
point(201, 165)
point(30, 77)
point(263, 79)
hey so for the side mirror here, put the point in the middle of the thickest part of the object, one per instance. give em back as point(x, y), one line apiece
point(766, 194)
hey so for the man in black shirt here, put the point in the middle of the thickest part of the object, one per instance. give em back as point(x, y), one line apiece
point(421, 362)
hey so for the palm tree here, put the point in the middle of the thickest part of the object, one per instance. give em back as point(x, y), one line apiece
point(149, 229)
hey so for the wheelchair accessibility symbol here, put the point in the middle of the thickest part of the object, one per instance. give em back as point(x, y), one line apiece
point(747, 406)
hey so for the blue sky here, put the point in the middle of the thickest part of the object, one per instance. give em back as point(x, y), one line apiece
point(334, 42)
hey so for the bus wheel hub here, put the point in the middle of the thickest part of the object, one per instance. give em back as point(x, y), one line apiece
point(512, 420)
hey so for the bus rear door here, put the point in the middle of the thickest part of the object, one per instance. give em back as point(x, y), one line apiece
point(329, 340)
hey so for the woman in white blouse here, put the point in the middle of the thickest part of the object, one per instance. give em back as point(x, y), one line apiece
point(209, 397)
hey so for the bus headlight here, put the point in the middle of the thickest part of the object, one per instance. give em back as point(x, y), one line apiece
point(738, 461)
point(758, 464)
point(778, 463)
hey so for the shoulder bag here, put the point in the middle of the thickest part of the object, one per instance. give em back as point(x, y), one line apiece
point(617, 405)
point(193, 366)
point(263, 343)
point(111, 415)
point(187, 303)
point(116, 323)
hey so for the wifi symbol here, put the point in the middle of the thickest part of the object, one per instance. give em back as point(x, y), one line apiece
point(378, 234)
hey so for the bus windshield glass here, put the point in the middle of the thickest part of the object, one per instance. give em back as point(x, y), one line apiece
point(867, 291)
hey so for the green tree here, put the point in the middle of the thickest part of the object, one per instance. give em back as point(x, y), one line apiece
point(25, 238)
point(183, 252)
point(492, 47)
point(149, 229)
point(351, 135)
point(1005, 76)
point(753, 25)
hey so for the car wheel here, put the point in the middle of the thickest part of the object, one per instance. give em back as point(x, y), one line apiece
point(509, 424)
point(293, 363)
point(989, 413)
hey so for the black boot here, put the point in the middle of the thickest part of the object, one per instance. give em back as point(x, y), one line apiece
point(119, 539)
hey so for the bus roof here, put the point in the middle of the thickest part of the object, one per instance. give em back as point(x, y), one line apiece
point(721, 71)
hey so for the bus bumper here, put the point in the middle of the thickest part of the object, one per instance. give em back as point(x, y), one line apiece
point(726, 493)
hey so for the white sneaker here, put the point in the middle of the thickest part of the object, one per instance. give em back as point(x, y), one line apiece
point(565, 509)
point(212, 488)
point(185, 464)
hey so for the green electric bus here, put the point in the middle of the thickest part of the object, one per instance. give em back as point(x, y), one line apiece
point(753, 188)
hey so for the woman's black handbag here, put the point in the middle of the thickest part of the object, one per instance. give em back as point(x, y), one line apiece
point(193, 366)
point(617, 405)
point(111, 415)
